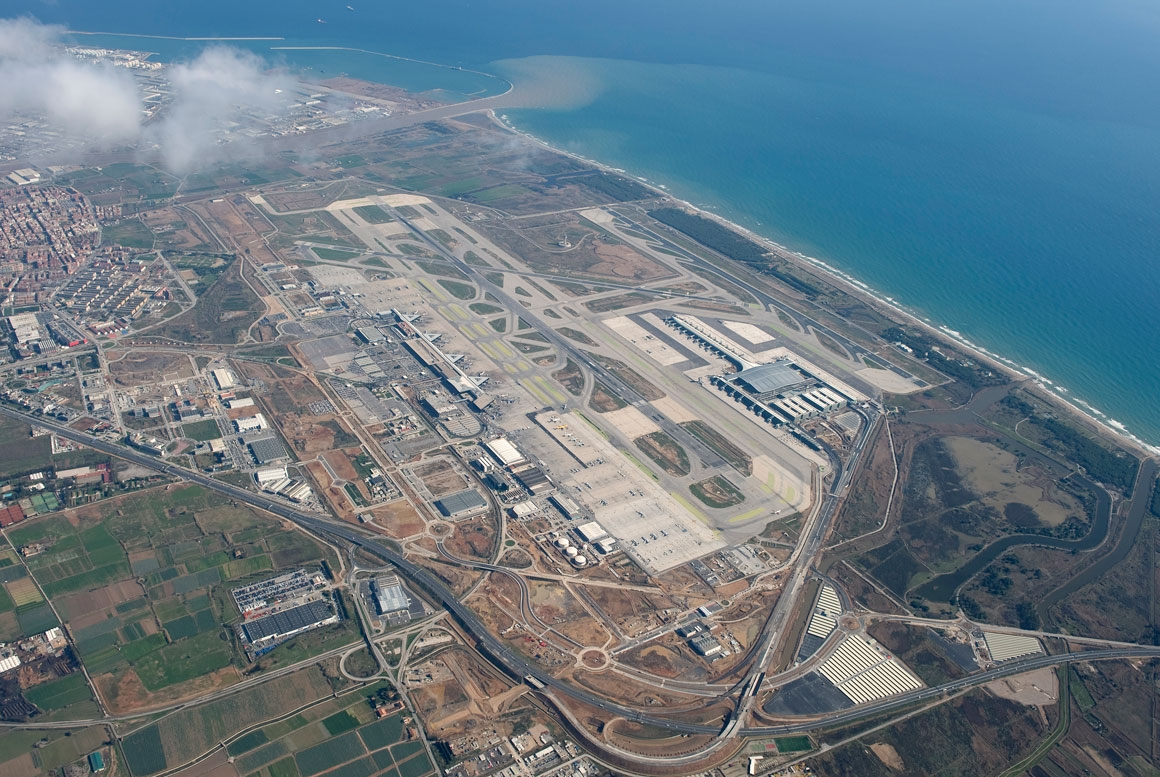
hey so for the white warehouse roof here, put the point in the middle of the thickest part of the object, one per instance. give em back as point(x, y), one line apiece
point(1004, 647)
point(591, 531)
point(504, 451)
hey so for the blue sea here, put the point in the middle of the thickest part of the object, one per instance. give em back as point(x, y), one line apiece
point(992, 166)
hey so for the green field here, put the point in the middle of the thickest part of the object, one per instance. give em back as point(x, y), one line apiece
point(53, 749)
point(414, 767)
point(333, 254)
point(497, 193)
point(182, 541)
point(188, 733)
point(143, 753)
point(793, 744)
point(202, 430)
point(130, 233)
point(458, 289)
point(321, 757)
point(36, 619)
point(247, 743)
point(340, 723)
point(183, 660)
point(373, 214)
point(330, 738)
point(59, 694)
point(382, 733)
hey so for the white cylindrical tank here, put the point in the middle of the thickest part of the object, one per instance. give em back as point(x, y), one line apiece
point(562, 542)
point(570, 552)
point(580, 561)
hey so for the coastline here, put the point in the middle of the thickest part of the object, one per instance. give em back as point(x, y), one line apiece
point(1047, 389)
point(510, 85)
point(166, 37)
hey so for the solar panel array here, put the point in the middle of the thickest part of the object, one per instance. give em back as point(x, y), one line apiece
point(863, 671)
point(1004, 647)
point(825, 617)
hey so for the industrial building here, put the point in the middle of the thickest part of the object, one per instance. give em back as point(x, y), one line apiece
point(533, 479)
point(25, 328)
point(255, 423)
point(146, 443)
point(389, 594)
point(706, 645)
point(461, 504)
point(591, 531)
point(261, 634)
point(267, 449)
point(568, 508)
point(504, 452)
point(393, 602)
point(370, 335)
point(224, 379)
point(605, 545)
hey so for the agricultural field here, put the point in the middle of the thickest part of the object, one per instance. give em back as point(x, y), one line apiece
point(21, 453)
point(290, 727)
point(977, 734)
point(185, 735)
point(143, 582)
point(35, 752)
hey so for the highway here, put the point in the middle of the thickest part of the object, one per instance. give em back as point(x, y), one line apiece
point(518, 667)
point(500, 653)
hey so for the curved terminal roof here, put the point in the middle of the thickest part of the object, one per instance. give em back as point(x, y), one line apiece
point(770, 378)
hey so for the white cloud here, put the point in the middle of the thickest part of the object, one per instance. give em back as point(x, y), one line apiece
point(211, 93)
point(101, 106)
point(89, 102)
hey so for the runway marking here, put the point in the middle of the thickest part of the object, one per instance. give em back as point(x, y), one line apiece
point(749, 516)
point(532, 389)
point(435, 289)
point(550, 390)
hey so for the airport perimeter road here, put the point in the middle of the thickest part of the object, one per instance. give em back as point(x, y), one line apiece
point(803, 558)
point(857, 351)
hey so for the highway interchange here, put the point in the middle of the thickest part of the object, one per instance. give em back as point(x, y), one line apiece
point(518, 667)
